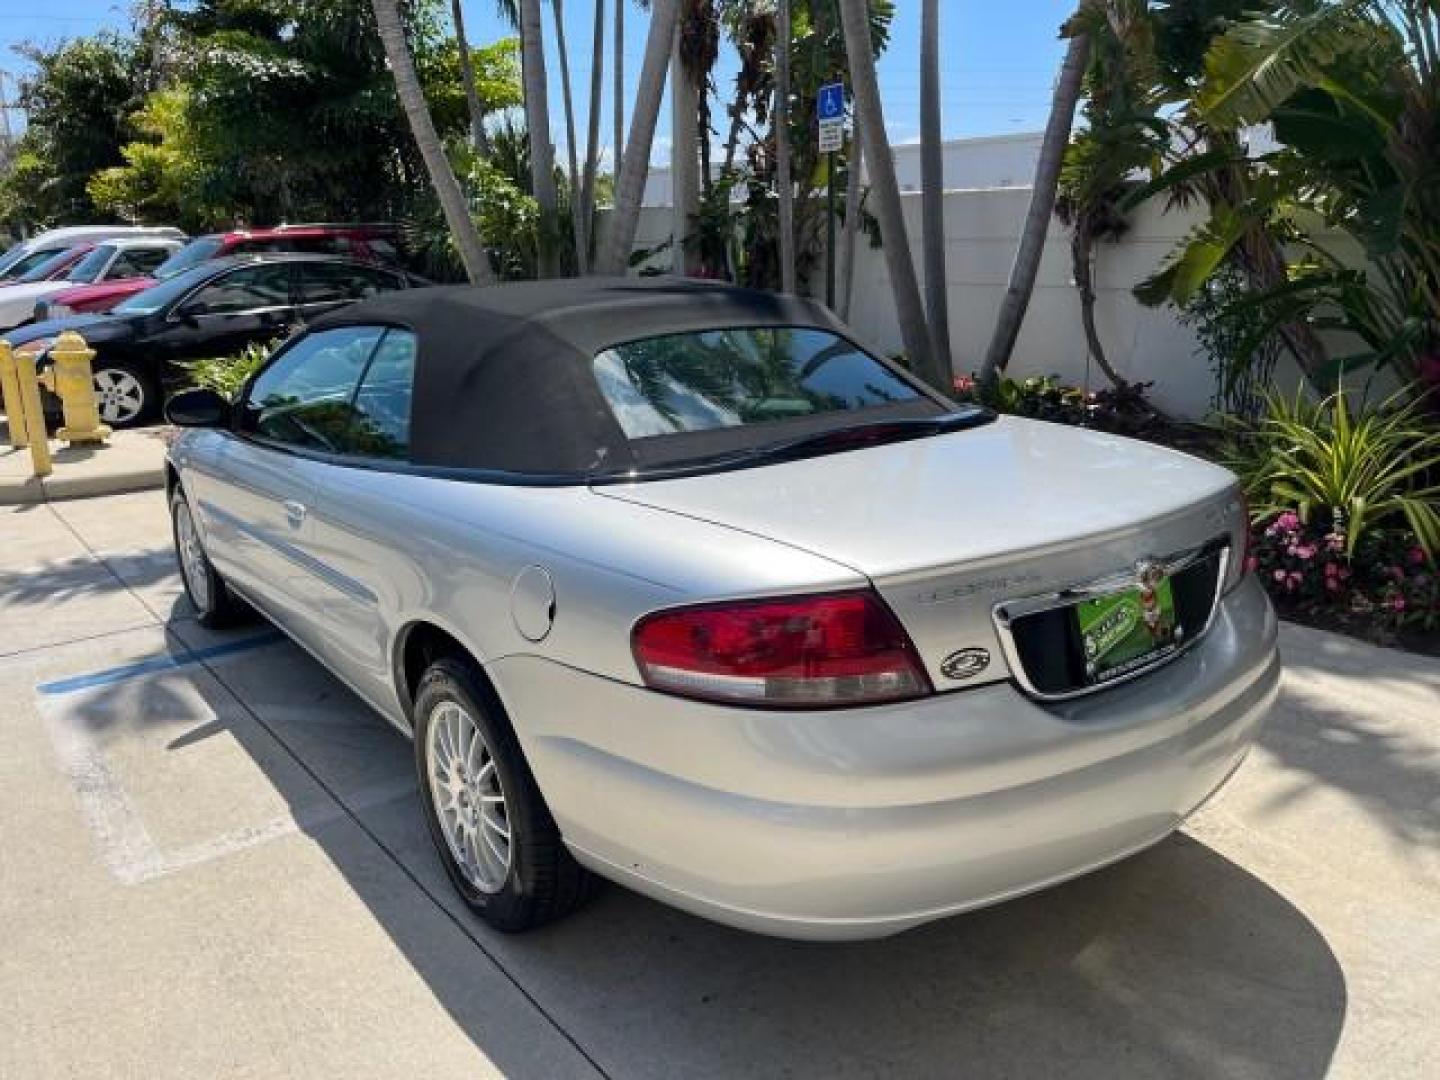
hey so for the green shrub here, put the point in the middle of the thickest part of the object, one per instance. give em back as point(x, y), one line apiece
point(1376, 467)
point(226, 374)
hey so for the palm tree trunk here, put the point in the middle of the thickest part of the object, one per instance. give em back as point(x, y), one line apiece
point(932, 182)
point(630, 184)
point(592, 142)
point(849, 249)
point(1042, 204)
point(1082, 266)
point(855, 18)
point(427, 141)
point(780, 124)
point(576, 217)
point(478, 138)
point(537, 123)
point(618, 51)
point(684, 168)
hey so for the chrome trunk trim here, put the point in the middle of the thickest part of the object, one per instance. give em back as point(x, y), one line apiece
point(1006, 612)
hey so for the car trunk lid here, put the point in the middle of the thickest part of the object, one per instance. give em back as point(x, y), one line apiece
point(948, 527)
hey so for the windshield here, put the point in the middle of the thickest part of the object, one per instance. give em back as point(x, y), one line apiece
point(162, 295)
point(42, 270)
point(89, 269)
point(27, 262)
point(194, 253)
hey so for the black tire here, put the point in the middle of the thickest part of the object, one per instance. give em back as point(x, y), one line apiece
point(219, 607)
point(543, 881)
point(127, 395)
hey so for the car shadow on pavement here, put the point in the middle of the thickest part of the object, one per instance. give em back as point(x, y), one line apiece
point(1174, 963)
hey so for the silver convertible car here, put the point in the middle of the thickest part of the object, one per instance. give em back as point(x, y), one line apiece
point(675, 584)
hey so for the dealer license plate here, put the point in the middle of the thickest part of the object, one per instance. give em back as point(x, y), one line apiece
point(1123, 632)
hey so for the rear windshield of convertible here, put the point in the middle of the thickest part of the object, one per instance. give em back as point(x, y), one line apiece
point(704, 380)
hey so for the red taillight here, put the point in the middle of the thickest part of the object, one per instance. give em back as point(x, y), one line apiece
point(814, 651)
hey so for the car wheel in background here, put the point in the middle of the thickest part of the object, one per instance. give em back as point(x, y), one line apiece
point(494, 833)
point(124, 394)
point(215, 605)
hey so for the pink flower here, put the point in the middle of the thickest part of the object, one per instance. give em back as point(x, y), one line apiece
point(1398, 573)
point(1416, 555)
point(1331, 570)
point(1295, 578)
point(1397, 604)
point(1279, 575)
point(1332, 584)
point(1288, 520)
point(1306, 552)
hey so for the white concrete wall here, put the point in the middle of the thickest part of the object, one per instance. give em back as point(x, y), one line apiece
point(982, 228)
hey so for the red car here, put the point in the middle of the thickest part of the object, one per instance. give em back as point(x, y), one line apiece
point(366, 243)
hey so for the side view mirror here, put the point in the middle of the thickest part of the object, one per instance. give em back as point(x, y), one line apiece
point(202, 407)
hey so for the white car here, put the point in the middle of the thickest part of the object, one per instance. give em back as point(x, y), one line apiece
point(110, 260)
point(28, 254)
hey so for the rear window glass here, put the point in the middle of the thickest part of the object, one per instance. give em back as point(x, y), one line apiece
point(737, 377)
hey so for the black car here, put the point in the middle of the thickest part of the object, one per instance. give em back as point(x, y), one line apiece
point(212, 310)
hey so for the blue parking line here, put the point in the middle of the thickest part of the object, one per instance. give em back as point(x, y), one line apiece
point(160, 663)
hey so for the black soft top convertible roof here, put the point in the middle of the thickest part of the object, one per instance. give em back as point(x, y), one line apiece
point(504, 376)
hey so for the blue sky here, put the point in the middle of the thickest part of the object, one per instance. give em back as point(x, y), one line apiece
point(998, 60)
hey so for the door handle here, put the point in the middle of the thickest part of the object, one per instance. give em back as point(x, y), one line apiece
point(295, 513)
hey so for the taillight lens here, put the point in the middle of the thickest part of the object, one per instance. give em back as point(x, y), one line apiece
point(813, 651)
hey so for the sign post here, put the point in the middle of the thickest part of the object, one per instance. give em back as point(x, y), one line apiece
point(830, 113)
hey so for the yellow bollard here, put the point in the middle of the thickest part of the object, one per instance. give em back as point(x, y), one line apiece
point(74, 383)
point(10, 393)
point(33, 413)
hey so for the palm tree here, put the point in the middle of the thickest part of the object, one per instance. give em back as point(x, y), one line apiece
point(592, 141)
point(618, 47)
point(781, 126)
point(684, 147)
point(467, 79)
point(1042, 204)
point(859, 48)
point(932, 181)
point(576, 211)
point(427, 141)
point(630, 181)
point(537, 121)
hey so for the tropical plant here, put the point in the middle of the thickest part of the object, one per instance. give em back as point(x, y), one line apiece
point(1233, 335)
point(784, 186)
point(860, 49)
point(427, 140)
point(1373, 466)
point(227, 374)
point(1122, 136)
point(1042, 203)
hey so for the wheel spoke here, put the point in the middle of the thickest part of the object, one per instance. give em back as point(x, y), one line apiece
point(467, 797)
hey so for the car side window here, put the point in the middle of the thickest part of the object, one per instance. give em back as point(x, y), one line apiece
point(253, 288)
point(337, 283)
point(303, 398)
point(380, 418)
point(136, 262)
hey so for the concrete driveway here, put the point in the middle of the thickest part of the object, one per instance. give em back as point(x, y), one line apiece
point(212, 863)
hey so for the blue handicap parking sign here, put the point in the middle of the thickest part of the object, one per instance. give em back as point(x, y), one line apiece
point(831, 104)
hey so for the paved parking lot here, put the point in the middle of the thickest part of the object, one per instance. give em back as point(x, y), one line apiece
point(212, 863)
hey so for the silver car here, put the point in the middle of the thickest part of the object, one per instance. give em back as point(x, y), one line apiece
point(674, 584)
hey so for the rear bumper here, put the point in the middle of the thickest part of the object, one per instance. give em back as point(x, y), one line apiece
point(866, 822)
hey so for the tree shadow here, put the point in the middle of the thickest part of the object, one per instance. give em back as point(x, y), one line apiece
point(1381, 748)
point(1174, 963)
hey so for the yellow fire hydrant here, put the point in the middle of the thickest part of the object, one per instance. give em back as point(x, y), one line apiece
point(23, 409)
point(73, 382)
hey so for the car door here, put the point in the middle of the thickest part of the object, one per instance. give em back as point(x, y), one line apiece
point(249, 304)
point(256, 500)
point(359, 530)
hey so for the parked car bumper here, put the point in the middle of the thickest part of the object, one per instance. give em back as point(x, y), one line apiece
point(865, 822)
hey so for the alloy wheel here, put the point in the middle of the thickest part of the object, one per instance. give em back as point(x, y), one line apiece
point(192, 556)
point(468, 798)
point(119, 395)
